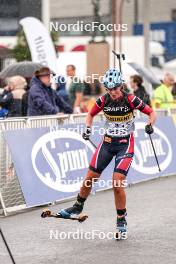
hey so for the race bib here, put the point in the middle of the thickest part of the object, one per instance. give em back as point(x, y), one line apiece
point(120, 129)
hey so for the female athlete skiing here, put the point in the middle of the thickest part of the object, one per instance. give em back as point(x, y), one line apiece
point(118, 141)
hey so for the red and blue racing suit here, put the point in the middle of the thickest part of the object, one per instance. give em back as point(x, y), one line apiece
point(118, 140)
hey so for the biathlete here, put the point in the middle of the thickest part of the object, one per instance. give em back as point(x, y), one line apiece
point(118, 141)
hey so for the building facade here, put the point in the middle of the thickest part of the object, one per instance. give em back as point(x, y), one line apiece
point(11, 11)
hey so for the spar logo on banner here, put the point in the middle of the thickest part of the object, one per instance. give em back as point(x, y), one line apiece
point(64, 156)
point(144, 159)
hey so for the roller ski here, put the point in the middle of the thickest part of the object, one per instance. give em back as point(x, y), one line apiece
point(121, 232)
point(80, 218)
point(71, 213)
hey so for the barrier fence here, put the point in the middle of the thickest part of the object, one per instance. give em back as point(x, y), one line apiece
point(11, 196)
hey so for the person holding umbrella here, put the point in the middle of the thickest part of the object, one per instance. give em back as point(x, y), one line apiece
point(11, 98)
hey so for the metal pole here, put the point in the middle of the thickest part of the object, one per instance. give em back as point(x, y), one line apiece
point(136, 12)
point(146, 12)
point(114, 15)
point(46, 13)
point(120, 16)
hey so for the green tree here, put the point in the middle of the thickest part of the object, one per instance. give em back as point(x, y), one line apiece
point(55, 37)
point(21, 50)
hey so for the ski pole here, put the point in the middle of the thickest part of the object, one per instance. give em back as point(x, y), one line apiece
point(154, 152)
point(92, 143)
point(8, 249)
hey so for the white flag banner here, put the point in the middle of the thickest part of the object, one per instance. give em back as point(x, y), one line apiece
point(40, 43)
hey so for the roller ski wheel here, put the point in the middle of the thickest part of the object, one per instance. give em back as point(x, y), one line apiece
point(121, 235)
point(46, 213)
point(80, 218)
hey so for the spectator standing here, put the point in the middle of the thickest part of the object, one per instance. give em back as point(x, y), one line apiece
point(174, 90)
point(75, 88)
point(138, 89)
point(61, 88)
point(11, 98)
point(42, 99)
point(163, 94)
point(3, 111)
point(93, 88)
point(25, 101)
point(91, 91)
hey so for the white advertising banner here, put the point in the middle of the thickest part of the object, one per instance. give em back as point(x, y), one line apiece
point(40, 43)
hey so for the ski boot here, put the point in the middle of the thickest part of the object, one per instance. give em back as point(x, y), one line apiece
point(121, 228)
point(76, 209)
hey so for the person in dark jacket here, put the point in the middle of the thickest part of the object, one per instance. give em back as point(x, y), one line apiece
point(42, 99)
point(138, 89)
point(25, 101)
point(25, 97)
point(61, 89)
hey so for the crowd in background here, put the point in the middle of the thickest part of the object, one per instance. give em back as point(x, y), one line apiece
point(70, 95)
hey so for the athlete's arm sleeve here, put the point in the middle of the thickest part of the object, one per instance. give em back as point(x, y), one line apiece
point(137, 103)
point(98, 106)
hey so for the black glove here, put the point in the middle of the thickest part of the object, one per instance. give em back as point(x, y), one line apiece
point(149, 129)
point(87, 133)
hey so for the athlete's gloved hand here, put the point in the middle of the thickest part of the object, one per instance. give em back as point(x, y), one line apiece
point(87, 133)
point(149, 129)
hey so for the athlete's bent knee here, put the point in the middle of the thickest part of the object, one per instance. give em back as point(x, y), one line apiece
point(91, 178)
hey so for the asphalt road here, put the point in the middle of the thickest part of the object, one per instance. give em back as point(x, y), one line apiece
point(151, 224)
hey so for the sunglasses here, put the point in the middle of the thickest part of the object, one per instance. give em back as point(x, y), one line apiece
point(113, 89)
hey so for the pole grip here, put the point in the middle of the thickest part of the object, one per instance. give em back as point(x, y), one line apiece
point(119, 56)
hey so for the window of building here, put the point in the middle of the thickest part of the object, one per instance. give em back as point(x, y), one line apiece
point(173, 14)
